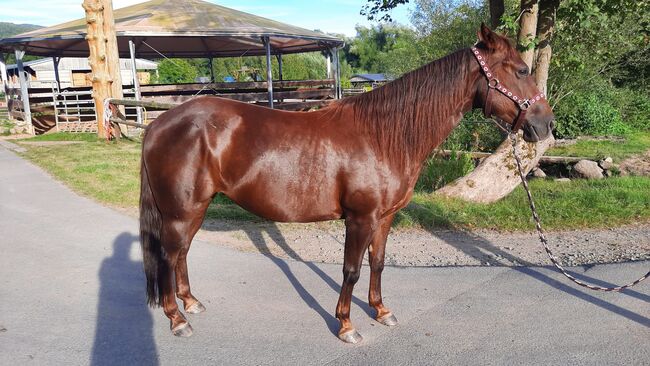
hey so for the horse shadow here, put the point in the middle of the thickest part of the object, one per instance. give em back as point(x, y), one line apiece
point(255, 234)
point(477, 246)
point(124, 330)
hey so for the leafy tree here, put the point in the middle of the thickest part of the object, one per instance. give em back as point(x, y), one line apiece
point(175, 71)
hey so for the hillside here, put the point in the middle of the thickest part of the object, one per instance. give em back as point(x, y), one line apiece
point(11, 29)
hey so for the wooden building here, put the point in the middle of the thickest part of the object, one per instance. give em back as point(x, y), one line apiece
point(74, 72)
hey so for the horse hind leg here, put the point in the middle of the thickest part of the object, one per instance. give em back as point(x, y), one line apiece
point(177, 237)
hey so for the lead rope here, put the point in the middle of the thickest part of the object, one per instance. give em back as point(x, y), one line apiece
point(542, 236)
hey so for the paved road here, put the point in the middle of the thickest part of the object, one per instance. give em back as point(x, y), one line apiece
point(72, 293)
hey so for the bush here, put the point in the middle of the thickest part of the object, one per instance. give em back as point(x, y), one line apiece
point(474, 133)
point(438, 172)
point(591, 112)
point(635, 108)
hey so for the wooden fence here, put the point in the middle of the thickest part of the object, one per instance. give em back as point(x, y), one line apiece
point(74, 107)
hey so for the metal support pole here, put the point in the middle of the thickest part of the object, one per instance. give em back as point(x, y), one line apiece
point(279, 57)
point(136, 82)
point(57, 78)
point(4, 79)
point(269, 71)
point(337, 73)
point(329, 66)
point(210, 64)
point(24, 91)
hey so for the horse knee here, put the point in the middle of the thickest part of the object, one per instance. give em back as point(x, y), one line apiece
point(351, 275)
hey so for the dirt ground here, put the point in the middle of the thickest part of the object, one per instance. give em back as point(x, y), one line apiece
point(324, 243)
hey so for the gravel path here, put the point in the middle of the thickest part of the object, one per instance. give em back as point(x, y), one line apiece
point(324, 243)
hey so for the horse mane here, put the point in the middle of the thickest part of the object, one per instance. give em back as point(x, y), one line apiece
point(410, 116)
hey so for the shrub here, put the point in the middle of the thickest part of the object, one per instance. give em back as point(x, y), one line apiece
point(635, 108)
point(590, 113)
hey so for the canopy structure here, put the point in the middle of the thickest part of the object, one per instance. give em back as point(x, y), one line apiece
point(177, 28)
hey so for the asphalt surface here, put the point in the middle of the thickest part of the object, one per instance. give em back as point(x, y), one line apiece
point(72, 293)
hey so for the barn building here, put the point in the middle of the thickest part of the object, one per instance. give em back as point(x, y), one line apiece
point(74, 72)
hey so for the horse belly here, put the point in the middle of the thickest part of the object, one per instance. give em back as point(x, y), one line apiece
point(289, 187)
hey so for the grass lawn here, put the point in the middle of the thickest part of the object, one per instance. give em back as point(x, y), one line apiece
point(634, 143)
point(109, 173)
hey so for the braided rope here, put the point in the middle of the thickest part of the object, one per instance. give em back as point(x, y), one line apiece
point(542, 236)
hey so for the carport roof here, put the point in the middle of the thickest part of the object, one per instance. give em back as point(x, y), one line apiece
point(177, 28)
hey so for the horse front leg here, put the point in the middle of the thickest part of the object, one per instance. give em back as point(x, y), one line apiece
point(358, 234)
point(376, 254)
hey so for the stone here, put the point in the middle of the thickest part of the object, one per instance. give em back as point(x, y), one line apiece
point(588, 169)
point(562, 180)
point(607, 163)
point(12, 131)
point(538, 173)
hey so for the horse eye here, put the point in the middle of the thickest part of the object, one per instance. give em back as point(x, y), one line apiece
point(522, 72)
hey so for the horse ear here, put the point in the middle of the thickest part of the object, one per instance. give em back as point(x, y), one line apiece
point(487, 37)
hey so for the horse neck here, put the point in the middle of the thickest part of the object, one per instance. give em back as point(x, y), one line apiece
point(412, 115)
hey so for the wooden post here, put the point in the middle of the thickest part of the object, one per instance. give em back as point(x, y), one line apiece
point(136, 82)
point(24, 91)
point(104, 57)
point(337, 72)
point(57, 78)
point(269, 71)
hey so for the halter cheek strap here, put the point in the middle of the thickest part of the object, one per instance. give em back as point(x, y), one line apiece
point(493, 83)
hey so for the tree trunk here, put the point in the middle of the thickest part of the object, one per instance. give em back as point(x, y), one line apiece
point(103, 53)
point(497, 8)
point(527, 30)
point(545, 26)
point(497, 174)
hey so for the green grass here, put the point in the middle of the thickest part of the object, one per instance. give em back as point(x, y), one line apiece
point(572, 205)
point(109, 173)
point(65, 136)
point(634, 143)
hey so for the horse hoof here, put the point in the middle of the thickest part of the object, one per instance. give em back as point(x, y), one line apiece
point(351, 336)
point(388, 320)
point(184, 330)
point(195, 308)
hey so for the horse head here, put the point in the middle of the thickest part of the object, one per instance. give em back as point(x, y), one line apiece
point(506, 89)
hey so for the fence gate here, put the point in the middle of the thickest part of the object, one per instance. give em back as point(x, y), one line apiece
point(74, 111)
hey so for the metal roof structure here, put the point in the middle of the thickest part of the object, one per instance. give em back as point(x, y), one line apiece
point(177, 28)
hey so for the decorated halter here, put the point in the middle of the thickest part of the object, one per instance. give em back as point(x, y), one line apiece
point(493, 83)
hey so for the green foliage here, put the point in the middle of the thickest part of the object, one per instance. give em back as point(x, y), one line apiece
point(589, 113)
point(438, 172)
point(176, 71)
point(10, 29)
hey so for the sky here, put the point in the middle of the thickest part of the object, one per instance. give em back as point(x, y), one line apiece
point(332, 16)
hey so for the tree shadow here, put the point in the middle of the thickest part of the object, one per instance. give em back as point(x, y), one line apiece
point(124, 331)
point(256, 235)
point(477, 246)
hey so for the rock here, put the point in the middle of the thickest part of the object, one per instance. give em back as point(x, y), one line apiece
point(12, 131)
point(562, 180)
point(607, 163)
point(588, 169)
point(538, 173)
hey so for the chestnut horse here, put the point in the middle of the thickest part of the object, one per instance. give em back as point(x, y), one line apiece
point(358, 160)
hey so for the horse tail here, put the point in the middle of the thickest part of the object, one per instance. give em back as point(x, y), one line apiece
point(156, 267)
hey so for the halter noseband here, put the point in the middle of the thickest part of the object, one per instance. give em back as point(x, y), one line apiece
point(493, 83)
